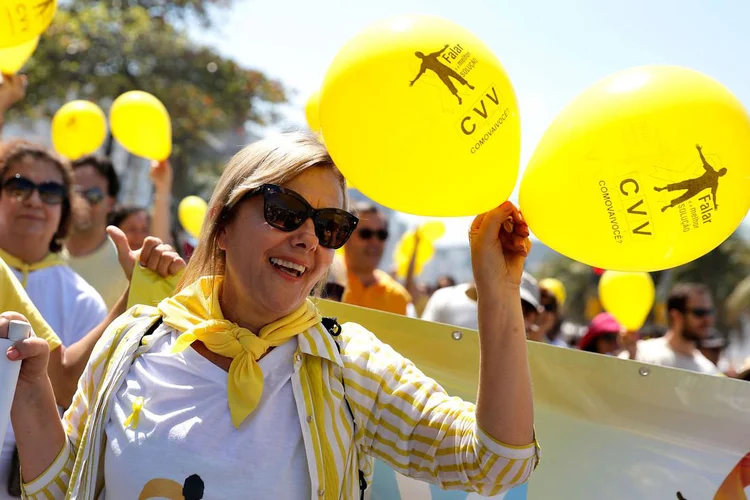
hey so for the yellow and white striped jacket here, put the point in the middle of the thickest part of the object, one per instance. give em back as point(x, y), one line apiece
point(402, 417)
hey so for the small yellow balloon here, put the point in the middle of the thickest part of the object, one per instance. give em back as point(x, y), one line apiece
point(23, 20)
point(191, 212)
point(556, 288)
point(629, 297)
point(432, 230)
point(404, 251)
point(312, 112)
point(646, 170)
point(12, 59)
point(141, 123)
point(78, 128)
point(422, 100)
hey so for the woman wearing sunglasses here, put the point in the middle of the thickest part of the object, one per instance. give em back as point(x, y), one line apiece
point(235, 387)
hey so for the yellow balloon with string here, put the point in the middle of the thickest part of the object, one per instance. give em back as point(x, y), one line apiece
point(141, 123)
point(191, 212)
point(22, 21)
point(629, 297)
point(12, 59)
point(646, 170)
point(78, 128)
point(419, 114)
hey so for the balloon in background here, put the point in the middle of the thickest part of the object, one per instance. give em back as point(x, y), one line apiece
point(625, 177)
point(12, 59)
point(419, 114)
point(312, 112)
point(627, 296)
point(141, 123)
point(429, 232)
point(78, 128)
point(556, 288)
point(23, 20)
point(191, 212)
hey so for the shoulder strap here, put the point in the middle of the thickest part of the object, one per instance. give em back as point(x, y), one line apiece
point(334, 329)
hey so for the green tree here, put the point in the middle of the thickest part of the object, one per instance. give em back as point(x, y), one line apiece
point(97, 50)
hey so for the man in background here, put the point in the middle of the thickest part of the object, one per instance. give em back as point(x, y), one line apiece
point(366, 285)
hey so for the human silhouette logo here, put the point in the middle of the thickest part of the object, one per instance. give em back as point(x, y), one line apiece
point(694, 187)
point(431, 62)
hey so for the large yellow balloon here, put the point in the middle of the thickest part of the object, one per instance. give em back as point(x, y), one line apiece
point(646, 170)
point(12, 59)
point(23, 20)
point(142, 125)
point(422, 118)
point(312, 113)
point(78, 128)
point(627, 296)
point(191, 212)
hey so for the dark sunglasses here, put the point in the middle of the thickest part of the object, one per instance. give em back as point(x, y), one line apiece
point(21, 188)
point(366, 234)
point(609, 336)
point(701, 312)
point(93, 195)
point(286, 210)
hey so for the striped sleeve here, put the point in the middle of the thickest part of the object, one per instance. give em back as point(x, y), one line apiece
point(54, 482)
point(412, 424)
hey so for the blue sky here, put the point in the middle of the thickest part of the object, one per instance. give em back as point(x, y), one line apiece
point(552, 50)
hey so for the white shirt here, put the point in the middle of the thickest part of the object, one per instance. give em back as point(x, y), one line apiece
point(185, 431)
point(72, 308)
point(101, 269)
point(658, 352)
point(452, 306)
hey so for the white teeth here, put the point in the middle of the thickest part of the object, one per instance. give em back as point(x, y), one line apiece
point(300, 269)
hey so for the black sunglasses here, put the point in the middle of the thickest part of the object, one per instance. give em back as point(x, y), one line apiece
point(21, 188)
point(287, 210)
point(366, 234)
point(93, 195)
point(701, 312)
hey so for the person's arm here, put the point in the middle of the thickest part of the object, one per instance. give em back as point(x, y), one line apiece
point(707, 166)
point(413, 425)
point(713, 196)
point(421, 72)
point(12, 90)
point(36, 424)
point(162, 177)
point(410, 284)
point(439, 51)
point(505, 407)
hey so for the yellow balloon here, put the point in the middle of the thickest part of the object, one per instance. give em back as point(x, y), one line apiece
point(312, 112)
point(404, 251)
point(432, 230)
point(12, 59)
point(646, 170)
point(23, 20)
point(627, 296)
point(191, 212)
point(422, 100)
point(141, 123)
point(78, 128)
point(556, 288)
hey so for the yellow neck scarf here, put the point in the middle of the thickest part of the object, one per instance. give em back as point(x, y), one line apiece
point(195, 311)
point(52, 259)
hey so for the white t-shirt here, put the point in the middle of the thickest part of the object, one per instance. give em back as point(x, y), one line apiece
point(72, 308)
point(185, 436)
point(657, 352)
point(452, 306)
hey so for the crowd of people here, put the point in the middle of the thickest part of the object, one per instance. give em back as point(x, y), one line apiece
point(303, 402)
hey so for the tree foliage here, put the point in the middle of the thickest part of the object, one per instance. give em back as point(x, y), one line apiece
point(97, 50)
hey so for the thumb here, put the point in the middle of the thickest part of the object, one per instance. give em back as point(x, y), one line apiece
point(125, 255)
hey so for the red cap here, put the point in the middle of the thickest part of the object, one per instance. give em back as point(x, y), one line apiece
point(602, 324)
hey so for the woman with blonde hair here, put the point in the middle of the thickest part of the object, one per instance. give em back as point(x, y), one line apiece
point(235, 387)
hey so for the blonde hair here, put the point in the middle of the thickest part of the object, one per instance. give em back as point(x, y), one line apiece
point(275, 160)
